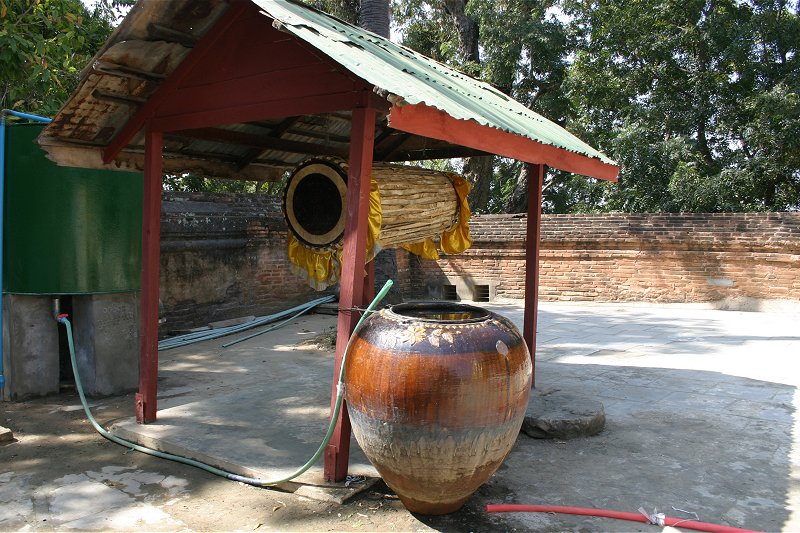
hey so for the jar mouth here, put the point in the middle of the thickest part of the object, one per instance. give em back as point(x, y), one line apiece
point(442, 312)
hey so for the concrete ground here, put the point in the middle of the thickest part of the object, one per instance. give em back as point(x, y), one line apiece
point(701, 408)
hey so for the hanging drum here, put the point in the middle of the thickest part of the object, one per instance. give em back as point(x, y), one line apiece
point(409, 207)
point(313, 203)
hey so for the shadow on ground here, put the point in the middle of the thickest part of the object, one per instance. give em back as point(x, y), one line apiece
point(700, 406)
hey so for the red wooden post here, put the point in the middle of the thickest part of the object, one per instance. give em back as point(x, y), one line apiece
point(362, 140)
point(148, 304)
point(535, 183)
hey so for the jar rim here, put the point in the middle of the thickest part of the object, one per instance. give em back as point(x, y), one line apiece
point(438, 312)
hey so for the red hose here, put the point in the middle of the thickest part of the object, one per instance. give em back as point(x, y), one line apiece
point(605, 513)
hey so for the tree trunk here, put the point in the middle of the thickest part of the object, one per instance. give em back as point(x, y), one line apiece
point(374, 16)
point(468, 34)
point(518, 201)
point(479, 171)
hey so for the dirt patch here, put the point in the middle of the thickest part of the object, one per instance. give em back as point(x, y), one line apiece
point(325, 341)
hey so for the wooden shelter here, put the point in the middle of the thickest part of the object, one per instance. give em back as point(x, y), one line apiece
point(248, 88)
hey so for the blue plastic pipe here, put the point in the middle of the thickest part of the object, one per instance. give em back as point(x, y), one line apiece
point(3, 114)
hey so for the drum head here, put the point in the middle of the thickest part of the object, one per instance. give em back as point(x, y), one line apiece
point(314, 203)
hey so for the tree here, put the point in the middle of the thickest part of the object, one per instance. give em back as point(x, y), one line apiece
point(698, 101)
point(525, 55)
point(516, 45)
point(374, 16)
point(43, 46)
point(346, 10)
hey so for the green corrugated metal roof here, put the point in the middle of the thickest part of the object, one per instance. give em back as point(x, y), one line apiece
point(418, 79)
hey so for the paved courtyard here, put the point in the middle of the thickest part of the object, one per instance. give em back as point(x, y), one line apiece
point(701, 409)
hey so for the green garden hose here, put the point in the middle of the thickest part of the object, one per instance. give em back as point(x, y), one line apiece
point(62, 319)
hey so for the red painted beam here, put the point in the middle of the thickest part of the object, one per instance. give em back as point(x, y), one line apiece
point(307, 80)
point(351, 292)
point(427, 121)
point(148, 302)
point(306, 105)
point(532, 245)
point(132, 127)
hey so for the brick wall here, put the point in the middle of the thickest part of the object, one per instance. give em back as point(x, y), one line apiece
point(649, 257)
point(224, 256)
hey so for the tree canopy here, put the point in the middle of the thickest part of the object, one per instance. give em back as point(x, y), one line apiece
point(697, 100)
point(43, 46)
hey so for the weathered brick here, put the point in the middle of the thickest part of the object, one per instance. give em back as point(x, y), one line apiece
point(662, 257)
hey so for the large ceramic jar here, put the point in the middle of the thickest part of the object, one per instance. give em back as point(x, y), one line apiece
point(436, 394)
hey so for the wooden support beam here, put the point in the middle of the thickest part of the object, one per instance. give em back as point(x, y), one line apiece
point(319, 135)
point(277, 132)
point(123, 71)
point(351, 292)
point(125, 99)
point(437, 153)
point(305, 105)
point(532, 244)
point(148, 302)
point(389, 141)
point(263, 142)
point(159, 32)
point(428, 121)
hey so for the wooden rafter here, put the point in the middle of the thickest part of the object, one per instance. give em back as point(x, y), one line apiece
point(276, 132)
point(163, 33)
point(118, 98)
point(123, 71)
point(135, 124)
point(264, 142)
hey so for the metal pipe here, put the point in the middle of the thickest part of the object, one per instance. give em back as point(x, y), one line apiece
point(3, 114)
point(28, 116)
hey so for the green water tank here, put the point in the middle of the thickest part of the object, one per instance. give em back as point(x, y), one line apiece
point(67, 230)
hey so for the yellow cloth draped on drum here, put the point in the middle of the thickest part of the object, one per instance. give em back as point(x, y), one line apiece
point(323, 268)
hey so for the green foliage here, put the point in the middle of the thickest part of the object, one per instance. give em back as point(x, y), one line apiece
point(43, 46)
point(696, 100)
point(427, 28)
point(346, 10)
point(194, 183)
point(524, 52)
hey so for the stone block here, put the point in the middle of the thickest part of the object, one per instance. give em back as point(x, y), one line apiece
point(106, 334)
point(30, 347)
point(562, 416)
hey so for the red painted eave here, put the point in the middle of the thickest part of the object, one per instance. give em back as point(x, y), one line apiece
point(420, 119)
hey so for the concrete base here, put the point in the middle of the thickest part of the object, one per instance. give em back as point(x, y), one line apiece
point(30, 347)
point(259, 408)
point(106, 332)
point(554, 415)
